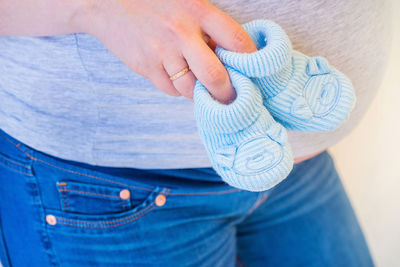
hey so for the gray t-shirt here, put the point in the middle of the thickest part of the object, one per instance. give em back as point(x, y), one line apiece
point(68, 96)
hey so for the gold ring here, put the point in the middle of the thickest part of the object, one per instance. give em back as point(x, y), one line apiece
point(179, 74)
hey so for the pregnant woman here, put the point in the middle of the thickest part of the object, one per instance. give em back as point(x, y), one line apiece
point(101, 163)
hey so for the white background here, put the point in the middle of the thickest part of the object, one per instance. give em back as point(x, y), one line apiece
point(369, 163)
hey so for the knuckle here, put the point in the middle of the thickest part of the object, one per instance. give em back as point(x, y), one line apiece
point(172, 26)
point(197, 7)
point(155, 47)
point(176, 29)
point(239, 39)
point(215, 75)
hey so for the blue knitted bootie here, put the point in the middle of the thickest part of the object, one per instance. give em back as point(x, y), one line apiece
point(302, 93)
point(245, 145)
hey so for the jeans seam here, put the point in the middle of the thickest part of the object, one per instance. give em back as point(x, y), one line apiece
point(207, 193)
point(260, 199)
point(88, 193)
point(62, 196)
point(119, 183)
point(131, 186)
point(102, 226)
point(63, 190)
point(87, 175)
point(16, 170)
point(19, 164)
point(67, 197)
point(41, 215)
point(4, 250)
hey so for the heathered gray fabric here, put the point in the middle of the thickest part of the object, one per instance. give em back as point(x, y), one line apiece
point(69, 97)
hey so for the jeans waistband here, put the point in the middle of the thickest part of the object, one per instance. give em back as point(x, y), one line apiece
point(193, 177)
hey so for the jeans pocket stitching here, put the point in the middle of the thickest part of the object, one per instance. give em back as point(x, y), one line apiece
point(16, 163)
point(14, 169)
point(61, 191)
point(107, 224)
point(107, 180)
point(114, 222)
point(125, 203)
point(65, 189)
point(89, 193)
point(24, 168)
point(260, 199)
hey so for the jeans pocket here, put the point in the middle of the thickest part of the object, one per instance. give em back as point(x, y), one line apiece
point(83, 198)
point(91, 207)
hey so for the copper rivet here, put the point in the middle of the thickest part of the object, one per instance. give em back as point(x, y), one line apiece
point(50, 219)
point(160, 200)
point(125, 194)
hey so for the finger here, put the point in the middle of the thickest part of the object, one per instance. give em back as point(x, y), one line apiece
point(208, 69)
point(185, 83)
point(226, 32)
point(161, 80)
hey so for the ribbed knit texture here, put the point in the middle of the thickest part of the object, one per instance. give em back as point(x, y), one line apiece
point(246, 146)
point(302, 93)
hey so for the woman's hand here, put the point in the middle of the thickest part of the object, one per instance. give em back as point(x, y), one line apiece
point(158, 38)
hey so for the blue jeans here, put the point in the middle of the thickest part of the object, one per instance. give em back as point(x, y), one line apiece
point(61, 213)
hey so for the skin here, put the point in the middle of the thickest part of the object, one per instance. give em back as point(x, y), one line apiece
point(155, 39)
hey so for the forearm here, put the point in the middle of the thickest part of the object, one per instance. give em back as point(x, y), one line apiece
point(40, 17)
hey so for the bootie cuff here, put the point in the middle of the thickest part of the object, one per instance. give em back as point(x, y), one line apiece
point(272, 55)
point(221, 118)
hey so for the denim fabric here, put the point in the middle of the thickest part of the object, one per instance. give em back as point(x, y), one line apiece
point(60, 213)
